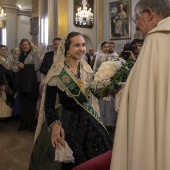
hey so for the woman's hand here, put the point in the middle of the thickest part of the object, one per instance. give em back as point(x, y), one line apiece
point(20, 65)
point(57, 136)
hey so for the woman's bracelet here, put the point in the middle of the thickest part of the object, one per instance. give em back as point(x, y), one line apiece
point(53, 123)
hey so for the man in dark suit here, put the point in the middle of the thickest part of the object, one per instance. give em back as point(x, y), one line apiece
point(49, 57)
point(89, 56)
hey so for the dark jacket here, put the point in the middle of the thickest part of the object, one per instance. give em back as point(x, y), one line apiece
point(47, 62)
point(88, 58)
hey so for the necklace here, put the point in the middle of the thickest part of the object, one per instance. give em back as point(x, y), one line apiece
point(74, 68)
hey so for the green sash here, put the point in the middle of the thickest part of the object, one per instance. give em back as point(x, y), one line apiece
point(77, 94)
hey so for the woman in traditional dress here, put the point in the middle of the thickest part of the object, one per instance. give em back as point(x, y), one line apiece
point(101, 55)
point(106, 104)
point(79, 122)
point(6, 84)
point(16, 112)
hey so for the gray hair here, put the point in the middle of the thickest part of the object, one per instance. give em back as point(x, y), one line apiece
point(159, 7)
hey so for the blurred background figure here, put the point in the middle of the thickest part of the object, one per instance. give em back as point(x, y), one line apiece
point(89, 56)
point(50, 47)
point(49, 57)
point(27, 82)
point(132, 50)
point(6, 84)
point(106, 104)
point(12, 57)
point(47, 63)
point(16, 112)
point(137, 45)
point(101, 55)
point(47, 49)
point(112, 53)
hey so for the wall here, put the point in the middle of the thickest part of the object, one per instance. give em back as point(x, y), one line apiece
point(23, 20)
point(18, 21)
point(23, 28)
point(63, 17)
point(11, 29)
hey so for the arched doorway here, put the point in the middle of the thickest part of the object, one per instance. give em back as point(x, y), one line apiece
point(88, 42)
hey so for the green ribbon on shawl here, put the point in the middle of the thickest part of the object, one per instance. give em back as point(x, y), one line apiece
point(76, 93)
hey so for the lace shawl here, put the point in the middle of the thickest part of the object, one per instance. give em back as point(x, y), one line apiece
point(4, 62)
point(51, 79)
point(100, 58)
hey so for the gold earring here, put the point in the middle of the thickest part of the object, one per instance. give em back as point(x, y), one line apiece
point(68, 56)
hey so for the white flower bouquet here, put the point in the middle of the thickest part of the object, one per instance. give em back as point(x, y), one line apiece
point(109, 77)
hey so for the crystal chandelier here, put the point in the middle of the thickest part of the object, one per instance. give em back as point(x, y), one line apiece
point(2, 14)
point(84, 16)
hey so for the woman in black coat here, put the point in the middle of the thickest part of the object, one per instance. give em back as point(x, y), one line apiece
point(27, 67)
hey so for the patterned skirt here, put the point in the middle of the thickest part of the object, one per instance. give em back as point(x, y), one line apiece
point(85, 136)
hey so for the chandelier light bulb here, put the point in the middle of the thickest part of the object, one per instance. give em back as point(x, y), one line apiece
point(84, 16)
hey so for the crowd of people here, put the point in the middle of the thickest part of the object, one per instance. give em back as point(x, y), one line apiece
point(73, 125)
point(24, 86)
point(28, 80)
point(22, 79)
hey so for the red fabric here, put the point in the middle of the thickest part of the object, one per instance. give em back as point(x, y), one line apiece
point(101, 162)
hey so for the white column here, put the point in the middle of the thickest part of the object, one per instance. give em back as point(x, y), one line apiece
point(11, 27)
point(51, 20)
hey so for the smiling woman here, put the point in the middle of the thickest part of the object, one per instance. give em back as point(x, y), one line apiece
point(78, 121)
point(27, 82)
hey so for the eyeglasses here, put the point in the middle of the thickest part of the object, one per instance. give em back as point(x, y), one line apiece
point(134, 17)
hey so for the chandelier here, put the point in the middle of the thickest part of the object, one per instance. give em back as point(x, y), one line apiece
point(84, 16)
point(2, 14)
